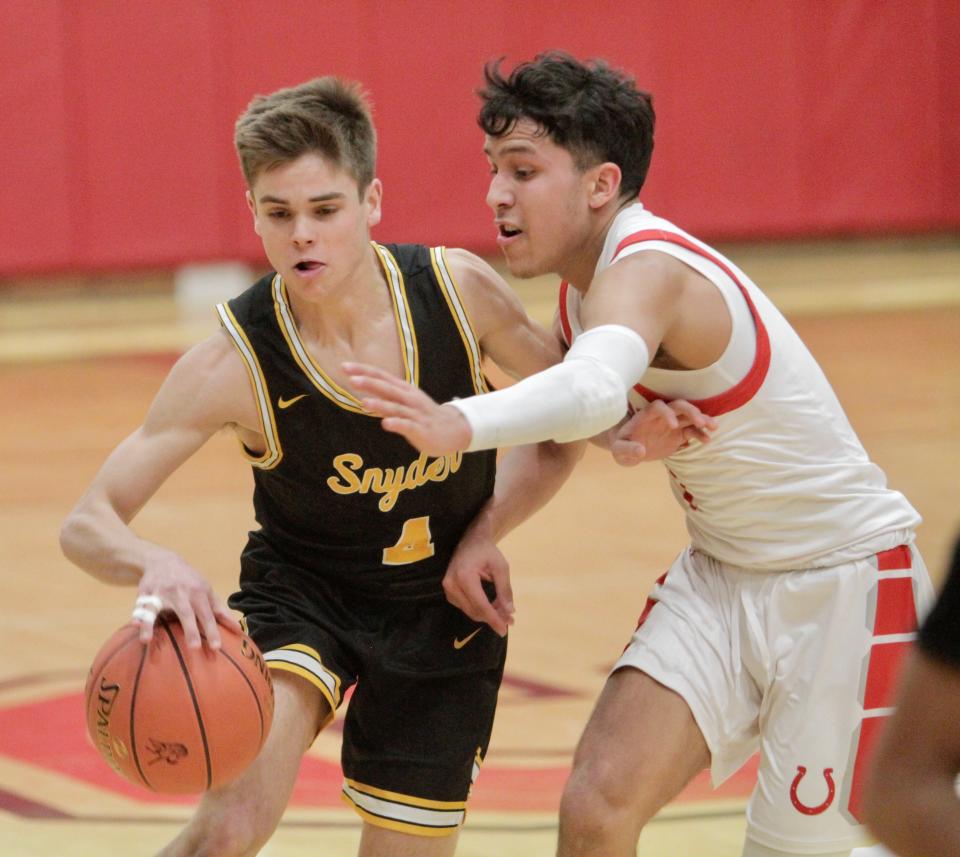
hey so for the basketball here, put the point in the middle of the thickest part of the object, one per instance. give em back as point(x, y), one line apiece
point(173, 719)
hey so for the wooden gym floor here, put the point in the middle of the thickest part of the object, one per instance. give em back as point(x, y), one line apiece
point(79, 362)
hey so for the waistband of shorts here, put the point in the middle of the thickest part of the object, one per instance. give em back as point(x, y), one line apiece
point(854, 552)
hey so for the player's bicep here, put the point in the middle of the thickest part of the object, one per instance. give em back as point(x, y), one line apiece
point(201, 394)
point(642, 292)
point(521, 347)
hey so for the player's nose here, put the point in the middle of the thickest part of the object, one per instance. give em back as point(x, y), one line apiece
point(498, 194)
point(303, 232)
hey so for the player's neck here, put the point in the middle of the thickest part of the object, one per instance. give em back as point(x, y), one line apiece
point(348, 308)
point(582, 264)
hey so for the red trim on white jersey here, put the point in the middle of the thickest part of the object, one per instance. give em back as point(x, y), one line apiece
point(746, 388)
point(742, 392)
point(564, 316)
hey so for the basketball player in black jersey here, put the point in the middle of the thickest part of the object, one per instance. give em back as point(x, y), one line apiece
point(341, 585)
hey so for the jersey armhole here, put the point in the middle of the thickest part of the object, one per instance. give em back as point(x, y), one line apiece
point(258, 384)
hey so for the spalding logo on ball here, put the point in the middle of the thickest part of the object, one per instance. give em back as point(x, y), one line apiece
point(178, 720)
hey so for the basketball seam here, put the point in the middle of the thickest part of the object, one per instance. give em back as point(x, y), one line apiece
point(193, 699)
point(243, 675)
point(133, 709)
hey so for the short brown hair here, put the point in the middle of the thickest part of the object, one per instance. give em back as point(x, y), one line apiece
point(326, 115)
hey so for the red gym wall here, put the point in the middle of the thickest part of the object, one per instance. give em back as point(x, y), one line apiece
point(776, 118)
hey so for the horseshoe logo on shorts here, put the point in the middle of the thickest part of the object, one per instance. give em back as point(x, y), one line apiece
point(812, 810)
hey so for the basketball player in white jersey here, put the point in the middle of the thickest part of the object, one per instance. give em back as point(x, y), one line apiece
point(780, 627)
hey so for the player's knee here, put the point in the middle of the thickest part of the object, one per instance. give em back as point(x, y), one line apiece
point(595, 804)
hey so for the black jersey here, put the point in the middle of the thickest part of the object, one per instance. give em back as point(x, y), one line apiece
point(335, 493)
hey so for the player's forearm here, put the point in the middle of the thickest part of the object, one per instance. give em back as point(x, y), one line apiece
point(576, 399)
point(527, 478)
point(100, 543)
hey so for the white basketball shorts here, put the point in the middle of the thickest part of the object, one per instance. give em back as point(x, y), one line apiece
point(798, 665)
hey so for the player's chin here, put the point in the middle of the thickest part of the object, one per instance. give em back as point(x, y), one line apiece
point(524, 271)
point(523, 264)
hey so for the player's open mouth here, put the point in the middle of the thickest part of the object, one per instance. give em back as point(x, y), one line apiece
point(507, 234)
point(308, 265)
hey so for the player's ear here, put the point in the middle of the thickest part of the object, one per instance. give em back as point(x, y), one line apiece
point(603, 183)
point(372, 199)
point(252, 205)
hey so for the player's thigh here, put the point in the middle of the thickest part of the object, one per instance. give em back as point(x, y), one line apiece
point(640, 747)
point(261, 793)
point(378, 841)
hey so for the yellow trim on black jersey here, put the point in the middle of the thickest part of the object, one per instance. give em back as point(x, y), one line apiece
point(400, 826)
point(282, 666)
point(320, 379)
point(405, 329)
point(306, 662)
point(451, 292)
point(258, 384)
point(477, 764)
point(404, 812)
point(406, 800)
point(288, 327)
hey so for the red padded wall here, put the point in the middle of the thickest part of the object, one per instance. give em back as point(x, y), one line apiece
point(36, 220)
point(774, 119)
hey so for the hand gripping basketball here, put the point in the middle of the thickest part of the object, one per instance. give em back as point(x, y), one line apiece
point(147, 608)
point(170, 585)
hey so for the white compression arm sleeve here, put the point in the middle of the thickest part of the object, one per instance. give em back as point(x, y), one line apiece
point(577, 398)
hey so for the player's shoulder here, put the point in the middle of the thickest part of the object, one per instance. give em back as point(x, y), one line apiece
point(490, 301)
point(212, 359)
point(649, 266)
point(471, 270)
point(206, 388)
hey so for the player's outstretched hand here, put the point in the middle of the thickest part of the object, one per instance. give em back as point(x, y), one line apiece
point(408, 411)
point(658, 431)
point(478, 559)
point(169, 583)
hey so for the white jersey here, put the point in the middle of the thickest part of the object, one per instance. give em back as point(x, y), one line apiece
point(784, 483)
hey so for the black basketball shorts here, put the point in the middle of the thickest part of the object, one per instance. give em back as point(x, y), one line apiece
point(427, 676)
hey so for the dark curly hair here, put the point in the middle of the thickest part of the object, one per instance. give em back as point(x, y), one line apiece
point(592, 110)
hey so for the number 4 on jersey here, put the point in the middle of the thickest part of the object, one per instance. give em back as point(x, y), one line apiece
point(414, 545)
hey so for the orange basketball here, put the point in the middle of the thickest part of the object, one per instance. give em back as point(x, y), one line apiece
point(178, 720)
